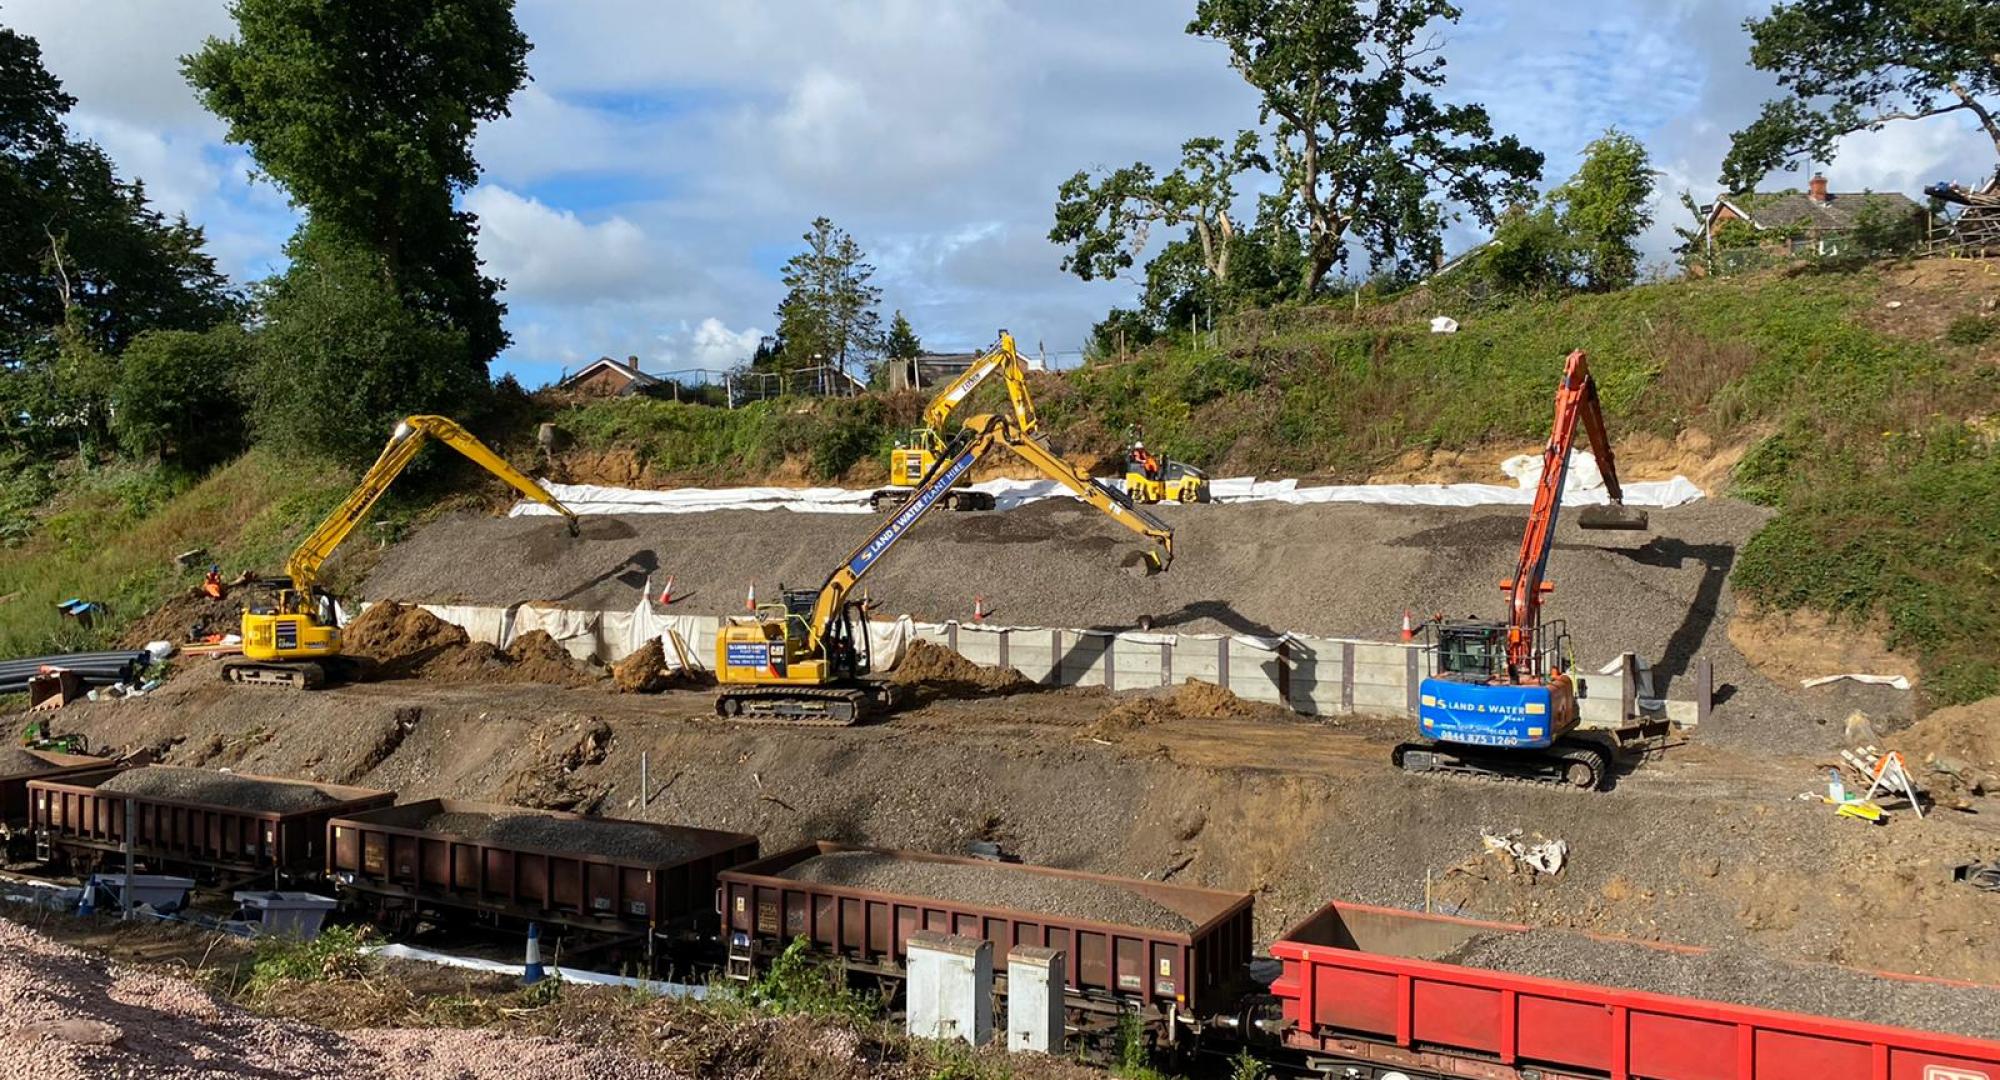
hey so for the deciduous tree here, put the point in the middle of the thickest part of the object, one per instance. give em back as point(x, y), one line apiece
point(364, 112)
point(1364, 149)
point(1605, 207)
point(1107, 221)
point(1855, 65)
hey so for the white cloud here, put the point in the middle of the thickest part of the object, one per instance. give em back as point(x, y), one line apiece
point(711, 345)
point(546, 254)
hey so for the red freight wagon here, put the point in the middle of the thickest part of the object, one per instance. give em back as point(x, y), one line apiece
point(1177, 975)
point(1356, 999)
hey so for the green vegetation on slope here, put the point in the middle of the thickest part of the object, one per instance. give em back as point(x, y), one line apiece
point(113, 536)
point(828, 438)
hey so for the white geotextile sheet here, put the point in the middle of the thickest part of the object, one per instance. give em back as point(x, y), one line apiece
point(1583, 486)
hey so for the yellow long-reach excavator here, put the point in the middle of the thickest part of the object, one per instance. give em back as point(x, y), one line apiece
point(807, 660)
point(917, 452)
point(296, 642)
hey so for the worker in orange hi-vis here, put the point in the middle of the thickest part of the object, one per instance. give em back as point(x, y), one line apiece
point(212, 583)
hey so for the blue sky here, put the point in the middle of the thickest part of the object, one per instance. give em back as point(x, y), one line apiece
point(666, 156)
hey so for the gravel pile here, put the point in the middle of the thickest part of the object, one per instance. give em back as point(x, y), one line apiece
point(1744, 979)
point(15, 761)
point(69, 1016)
point(222, 789)
point(994, 886)
point(621, 840)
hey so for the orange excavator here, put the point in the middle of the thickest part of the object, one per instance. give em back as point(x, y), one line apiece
point(1500, 700)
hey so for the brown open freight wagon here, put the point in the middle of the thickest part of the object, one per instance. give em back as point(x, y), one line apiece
point(1175, 977)
point(35, 765)
point(646, 881)
point(225, 845)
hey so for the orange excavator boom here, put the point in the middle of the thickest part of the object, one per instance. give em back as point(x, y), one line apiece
point(1576, 403)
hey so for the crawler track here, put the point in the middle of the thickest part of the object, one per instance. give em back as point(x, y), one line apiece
point(1578, 765)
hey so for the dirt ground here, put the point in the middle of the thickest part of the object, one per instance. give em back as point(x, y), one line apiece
point(1706, 845)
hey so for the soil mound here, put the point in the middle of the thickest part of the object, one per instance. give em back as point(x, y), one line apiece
point(536, 657)
point(194, 615)
point(406, 642)
point(930, 665)
point(1191, 700)
point(1959, 746)
point(643, 672)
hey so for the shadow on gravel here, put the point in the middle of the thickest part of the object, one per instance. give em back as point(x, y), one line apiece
point(637, 569)
point(1218, 610)
point(1685, 643)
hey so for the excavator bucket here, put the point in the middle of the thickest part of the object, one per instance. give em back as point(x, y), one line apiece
point(1611, 516)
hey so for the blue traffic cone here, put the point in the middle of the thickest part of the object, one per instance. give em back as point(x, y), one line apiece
point(533, 972)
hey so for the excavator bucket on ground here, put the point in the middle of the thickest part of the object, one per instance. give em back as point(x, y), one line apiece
point(1611, 516)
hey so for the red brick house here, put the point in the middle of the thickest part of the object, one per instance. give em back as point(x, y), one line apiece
point(1815, 221)
point(605, 377)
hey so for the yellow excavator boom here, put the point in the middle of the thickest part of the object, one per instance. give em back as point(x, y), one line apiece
point(980, 435)
point(304, 564)
point(1002, 357)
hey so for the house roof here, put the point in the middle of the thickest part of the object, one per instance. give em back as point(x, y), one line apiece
point(631, 373)
point(1840, 211)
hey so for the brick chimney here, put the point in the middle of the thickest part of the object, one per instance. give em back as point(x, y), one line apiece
point(1817, 189)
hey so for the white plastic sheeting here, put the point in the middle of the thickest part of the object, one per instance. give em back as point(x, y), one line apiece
point(1583, 486)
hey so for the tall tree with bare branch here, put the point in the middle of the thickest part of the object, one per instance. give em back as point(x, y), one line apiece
point(1856, 65)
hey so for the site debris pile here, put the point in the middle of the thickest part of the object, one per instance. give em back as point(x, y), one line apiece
point(218, 789)
point(404, 641)
point(945, 673)
point(991, 886)
point(1741, 978)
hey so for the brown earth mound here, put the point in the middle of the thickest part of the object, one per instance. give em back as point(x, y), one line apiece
point(405, 641)
point(194, 615)
point(1958, 747)
point(643, 672)
point(1191, 700)
point(931, 665)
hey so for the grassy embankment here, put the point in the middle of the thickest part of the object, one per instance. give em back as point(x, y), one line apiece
point(110, 535)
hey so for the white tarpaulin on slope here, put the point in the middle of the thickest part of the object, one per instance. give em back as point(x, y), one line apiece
point(1584, 485)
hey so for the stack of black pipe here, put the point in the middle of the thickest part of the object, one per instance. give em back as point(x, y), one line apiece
point(94, 669)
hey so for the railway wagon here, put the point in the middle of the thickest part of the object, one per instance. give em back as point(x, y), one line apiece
point(630, 880)
point(1174, 952)
point(229, 828)
point(1359, 1000)
point(17, 767)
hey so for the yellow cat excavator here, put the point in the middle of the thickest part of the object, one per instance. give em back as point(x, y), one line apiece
point(921, 449)
point(296, 642)
point(806, 660)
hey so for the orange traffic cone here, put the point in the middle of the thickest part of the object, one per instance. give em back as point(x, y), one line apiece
point(1409, 631)
point(750, 598)
point(667, 591)
point(978, 609)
